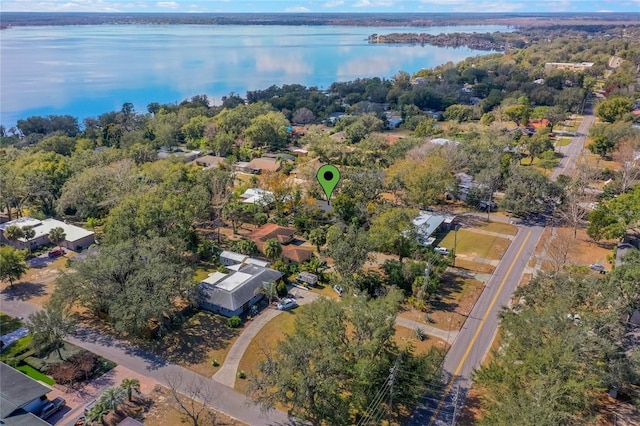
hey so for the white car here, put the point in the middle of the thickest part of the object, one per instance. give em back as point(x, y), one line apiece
point(286, 304)
point(598, 268)
point(441, 250)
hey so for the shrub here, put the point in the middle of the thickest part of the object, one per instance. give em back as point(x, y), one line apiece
point(215, 363)
point(234, 322)
point(35, 363)
point(281, 288)
point(241, 375)
point(420, 334)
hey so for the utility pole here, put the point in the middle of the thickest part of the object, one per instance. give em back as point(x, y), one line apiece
point(455, 406)
point(392, 377)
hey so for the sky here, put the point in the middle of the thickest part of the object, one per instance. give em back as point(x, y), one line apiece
point(319, 6)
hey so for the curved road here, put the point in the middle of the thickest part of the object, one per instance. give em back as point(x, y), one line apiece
point(478, 332)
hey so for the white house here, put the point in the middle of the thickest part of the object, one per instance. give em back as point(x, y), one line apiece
point(76, 238)
point(257, 196)
point(427, 223)
point(234, 293)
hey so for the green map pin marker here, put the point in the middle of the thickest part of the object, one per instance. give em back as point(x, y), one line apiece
point(328, 178)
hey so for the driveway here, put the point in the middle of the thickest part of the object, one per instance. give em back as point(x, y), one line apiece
point(16, 335)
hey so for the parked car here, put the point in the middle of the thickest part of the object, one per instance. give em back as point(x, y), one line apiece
point(598, 268)
point(338, 290)
point(287, 304)
point(56, 252)
point(442, 250)
point(51, 407)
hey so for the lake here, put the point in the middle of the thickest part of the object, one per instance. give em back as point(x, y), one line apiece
point(87, 70)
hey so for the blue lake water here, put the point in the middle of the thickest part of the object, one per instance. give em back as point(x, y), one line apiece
point(87, 70)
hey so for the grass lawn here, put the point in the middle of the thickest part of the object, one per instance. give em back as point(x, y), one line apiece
point(8, 324)
point(474, 244)
point(563, 141)
point(267, 338)
point(480, 268)
point(202, 338)
point(405, 336)
point(457, 297)
point(36, 375)
point(18, 347)
point(500, 228)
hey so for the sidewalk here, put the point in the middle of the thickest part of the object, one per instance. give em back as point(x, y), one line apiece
point(14, 336)
point(447, 336)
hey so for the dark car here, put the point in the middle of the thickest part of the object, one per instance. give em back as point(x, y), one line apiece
point(56, 252)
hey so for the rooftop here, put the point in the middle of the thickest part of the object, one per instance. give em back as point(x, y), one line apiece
point(264, 163)
point(17, 389)
point(44, 227)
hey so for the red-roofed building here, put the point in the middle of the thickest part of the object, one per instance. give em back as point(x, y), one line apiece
point(539, 123)
point(285, 236)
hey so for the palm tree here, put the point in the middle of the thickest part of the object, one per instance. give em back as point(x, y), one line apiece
point(272, 249)
point(92, 223)
point(130, 385)
point(111, 398)
point(29, 234)
point(13, 233)
point(57, 235)
point(247, 247)
point(270, 290)
point(96, 414)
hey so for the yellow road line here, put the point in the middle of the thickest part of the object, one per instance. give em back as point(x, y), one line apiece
point(477, 333)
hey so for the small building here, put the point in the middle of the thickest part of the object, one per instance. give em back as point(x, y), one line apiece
point(208, 161)
point(21, 398)
point(443, 141)
point(427, 223)
point(394, 122)
point(184, 156)
point(234, 293)
point(257, 196)
point(335, 117)
point(243, 167)
point(228, 258)
point(307, 278)
point(76, 238)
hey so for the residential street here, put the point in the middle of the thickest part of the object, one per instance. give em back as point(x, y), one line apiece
point(227, 400)
point(480, 328)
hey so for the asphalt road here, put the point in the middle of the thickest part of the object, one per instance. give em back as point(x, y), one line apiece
point(477, 334)
point(225, 398)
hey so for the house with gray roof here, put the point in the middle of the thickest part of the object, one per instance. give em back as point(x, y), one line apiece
point(234, 293)
point(21, 398)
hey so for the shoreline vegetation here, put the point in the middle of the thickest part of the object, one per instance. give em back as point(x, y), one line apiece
point(515, 20)
point(486, 42)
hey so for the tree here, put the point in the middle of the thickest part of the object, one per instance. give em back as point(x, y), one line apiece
point(12, 264)
point(572, 209)
point(192, 399)
point(555, 115)
point(49, 327)
point(303, 116)
point(318, 237)
point(328, 370)
point(269, 290)
point(97, 414)
point(235, 212)
point(129, 386)
point(13, 233)
point(272, 249)
point(459, 113)
point(268, 130)
point(57, 236)
point(393, 231)
point(136, 283)
point(528, 191)
point(537, 144)
point(112, 398)
point(519, 114)
point(247, 247)
point(349, 248)
point(629, 172)
point(29, 234)
point(615, 218)
point(424, 181)
point(487, 118)
point(614, 108)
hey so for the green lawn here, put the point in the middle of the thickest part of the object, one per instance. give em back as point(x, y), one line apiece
point(563, 141)
point(36, 375)
point(500, 228)
point(477, 245)
point(16, 348)
point(8, 324)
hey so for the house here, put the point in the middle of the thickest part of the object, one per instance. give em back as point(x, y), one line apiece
point(231, 258)
point(263, 164)
point(335, 117)
point(427, 223)
point(393, 122)
point(257, 196)
point(21, 398)
point(76, 239)
point(622, 250)
point(234, 293)
point(443, 141)
point(208, 161)
point(465, 183)
point(567, 66)
point(285, 236)
point(184, 156)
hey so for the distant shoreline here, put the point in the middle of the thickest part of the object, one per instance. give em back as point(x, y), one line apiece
point(17, 19)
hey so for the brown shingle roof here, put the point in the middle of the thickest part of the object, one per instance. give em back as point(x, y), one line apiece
point(296, 254)
point(263, 163)
point(271, 230)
